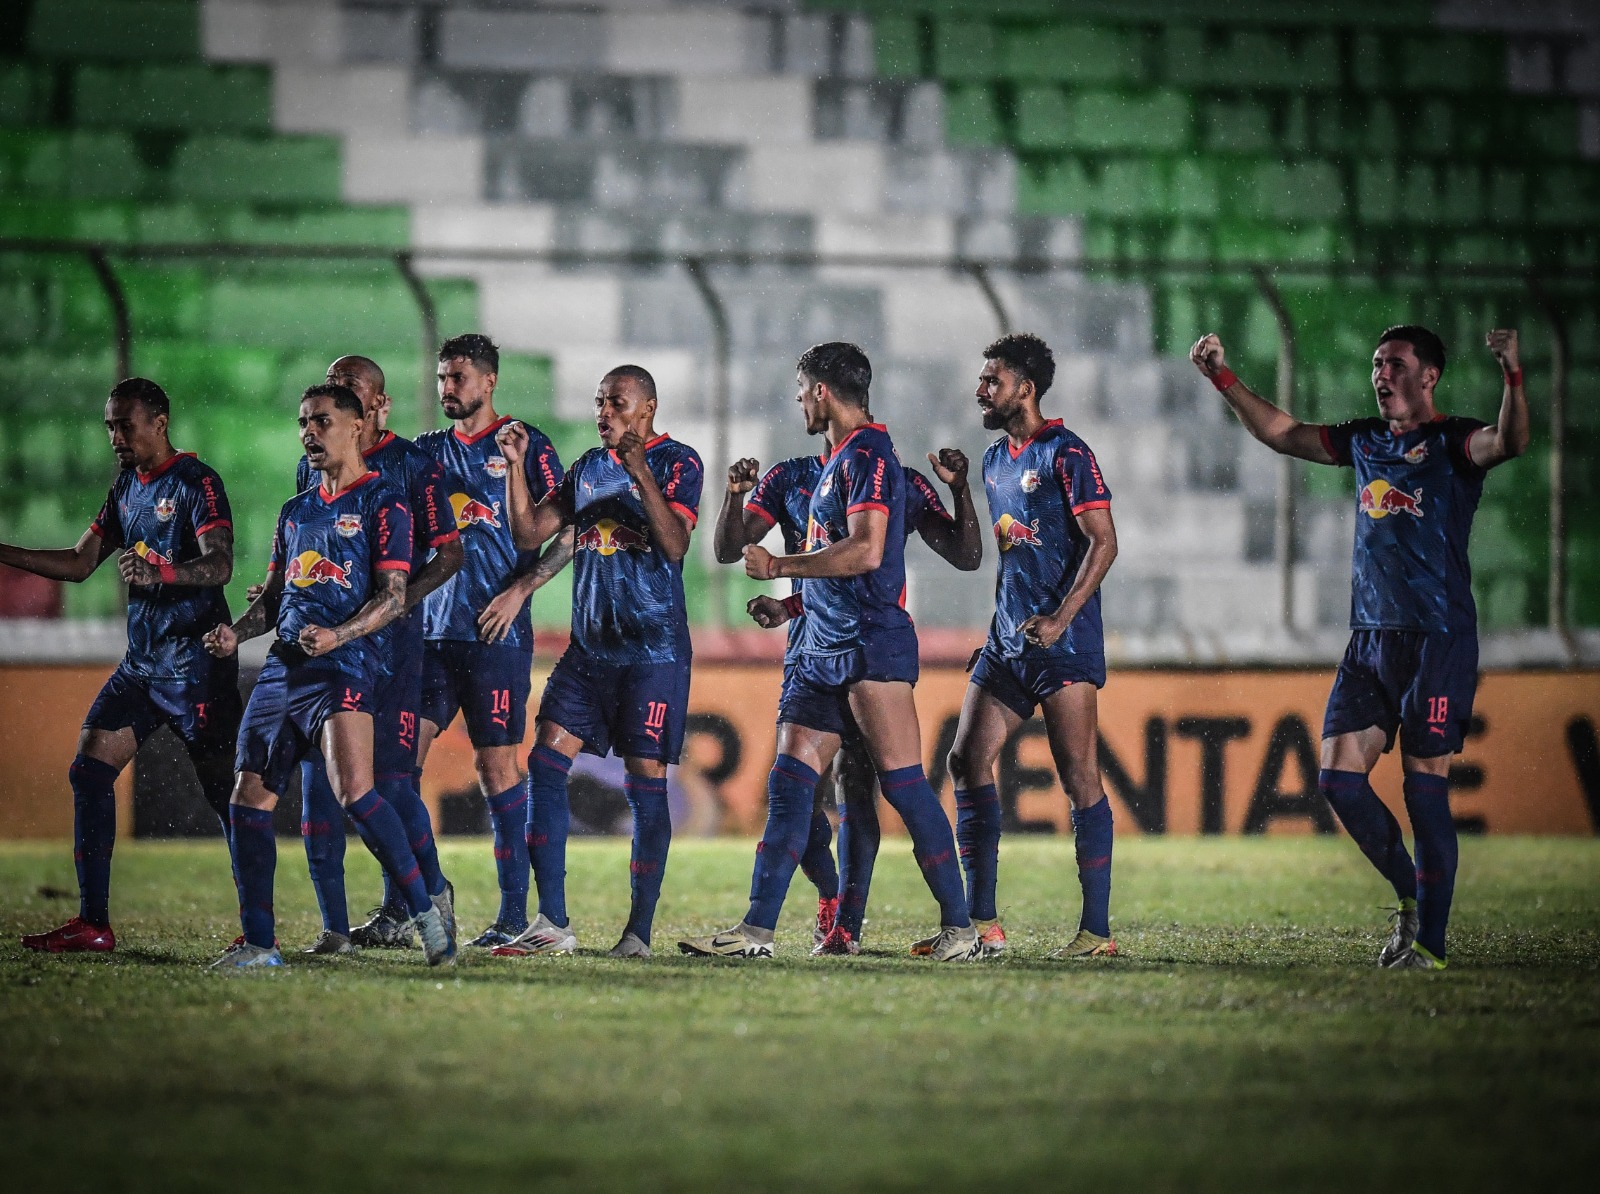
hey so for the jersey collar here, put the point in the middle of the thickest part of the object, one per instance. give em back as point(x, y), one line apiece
point(146, 478)
point(330, 498)
point(489, 430)
point(1018, 451)
point(852, 435)
point(383, 442)
point(662, 438)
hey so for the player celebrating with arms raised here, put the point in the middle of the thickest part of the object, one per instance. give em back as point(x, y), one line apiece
point(170, 515)
point(1046, 647)
point(1412, 662)
point(337, 576)
point(623, 683)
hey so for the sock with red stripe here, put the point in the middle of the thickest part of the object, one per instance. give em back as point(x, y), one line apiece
point(403, 794)
point(94, 835)
point(652, 837)
point(1371, 826)
point(859, 837)
point(1091, 828)
point(791, 793)
point(978, 837)
point(322, 831)
point(907, 791)
point(549, 820)
point(817, 861)
point(384, 833)
point(1428, 805)
point(255, 865)
point(508, 814)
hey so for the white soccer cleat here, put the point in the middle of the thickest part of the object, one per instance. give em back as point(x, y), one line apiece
point(241, 956)
point(955, 944)
point(736, 942)
point(543, 936)
point(1402, 932)
point(438, 942)
point(629, 947)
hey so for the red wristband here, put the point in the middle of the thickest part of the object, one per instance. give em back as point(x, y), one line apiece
point(1513, 377)
point(168, 574)
point(793, 605)
point(1223, 378)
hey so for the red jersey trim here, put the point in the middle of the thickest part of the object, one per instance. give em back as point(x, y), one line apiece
point(393, 565)
point(146, 478)
point(853, 434)
point(489, 430)
point(686, 512)
point(1020, 449)
point(329, 498)
point(752, 508)
point(212, 525)
point(382, 443)
point(1327, 443)
point(96, 529)
point(1105, 505)
point(444, 537)
point(866, 506)
point(272, 565)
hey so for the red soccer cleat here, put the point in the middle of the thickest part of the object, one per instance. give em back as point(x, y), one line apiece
point(75, 937)
point(838, 943)
point(827, 917)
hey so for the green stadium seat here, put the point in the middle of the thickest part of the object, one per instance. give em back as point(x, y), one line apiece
point(1242, 125)
point(1453, 63)
point(1074, 54)
point(1194, 191)
point(1566, 196)
point(116, 30)
point(1293, 192)
point(1159, 121)
point(1044, 119)
point(897, 47)
point(220, 169)
point(24, 94)
point(345, 226)
point(972, 116)
point(182, 97)
point(967, 50)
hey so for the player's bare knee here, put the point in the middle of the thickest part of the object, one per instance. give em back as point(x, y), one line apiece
point(498, 768)
point(249, 791)
point(645, 768)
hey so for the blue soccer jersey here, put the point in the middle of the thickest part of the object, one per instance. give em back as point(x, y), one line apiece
point(161, 516)
point(1036, 493)
point(1416, 498)
point(863, 473)
point(627, 598)
point(475, 473)
point(330, 551)
point(418, 478)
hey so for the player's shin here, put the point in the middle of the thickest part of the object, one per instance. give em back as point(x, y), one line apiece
point(978, 839)
point(1092, 838)
point(322, 831)
point(1428, 805)
point(255, 864)
point(549, 819)
point(859, 837)
point(94, 830)
point(384, 833)
point(652, 837)
point(1371, 826)
point(908, 793)
point(402, 795)
point(817, 861)
point(508, 816)
point(791, 792)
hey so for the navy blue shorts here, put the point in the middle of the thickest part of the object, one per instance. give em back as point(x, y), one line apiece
point(486, 682)
point(204, 713)
point(633, 710)
point(399, 697)
point(1022, 685)
point(816, 693)
point(1407, 680)
point(286, 712)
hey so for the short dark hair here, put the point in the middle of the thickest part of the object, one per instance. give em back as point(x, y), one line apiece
point(840, 366)
point(476, 347)
point(1427, 345)
point(638, 374)
point(1027, 356)
point(343, 397)
point(142, 389)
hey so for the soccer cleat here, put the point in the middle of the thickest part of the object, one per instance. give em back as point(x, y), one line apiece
point(242, 956)
point(1402, 932)
point(955, 944)
point(991, 938)
point(827, 917)
point(921, 949)
point(445, 902)
point(733, 943)
point(386, 930)
point(837, 944)
point(1086, 945)
point(498, 934)
point(438, 942)
point(77, 936)
point(629, 947)
point(329, 942)
point(543, 936)
point(1415, 957)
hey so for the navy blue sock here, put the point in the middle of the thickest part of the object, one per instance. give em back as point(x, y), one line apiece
point(384, 833)
point(255, 863)
point(907, 791)
point(1428, 805)
point(791, 792)
point(978, 837)
point(94, 834)
point(1372, 826)
point(859, 836)
point(1091, 829)
point(817, 861)
point(549, 820)
point(652, 836)
point(508, 814)
point(322, 830)
point(401, 793)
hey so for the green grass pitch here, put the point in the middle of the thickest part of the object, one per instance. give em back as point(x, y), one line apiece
point(1245, 1040)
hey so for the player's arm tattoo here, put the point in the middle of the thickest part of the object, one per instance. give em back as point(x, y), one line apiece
point(263, 611)
point(72, 564)
point(446, 562)
point(215, 565)
point(384, 606)
point(554, 558)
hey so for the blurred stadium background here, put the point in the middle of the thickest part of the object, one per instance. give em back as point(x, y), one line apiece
point(224, 195)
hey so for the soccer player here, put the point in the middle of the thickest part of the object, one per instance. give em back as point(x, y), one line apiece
point(623, 683)
point(856, 660)
point(340, 557)
point(1412, 663)
point(782, 498)
point(169, 516)
point(1051, 512)
point(437, 553)
point(478, 660)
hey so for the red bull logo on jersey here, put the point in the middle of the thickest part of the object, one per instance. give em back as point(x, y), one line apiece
point(608, 537)
point(149, 554)
point(1380, 499)
point(165, 509)
point(1030, 480)
point(348, 525)
point(1417, 454)
point(313, 568)
point(469, 511)
point(1013, 532)
point(817, 536)
point(495, 466)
